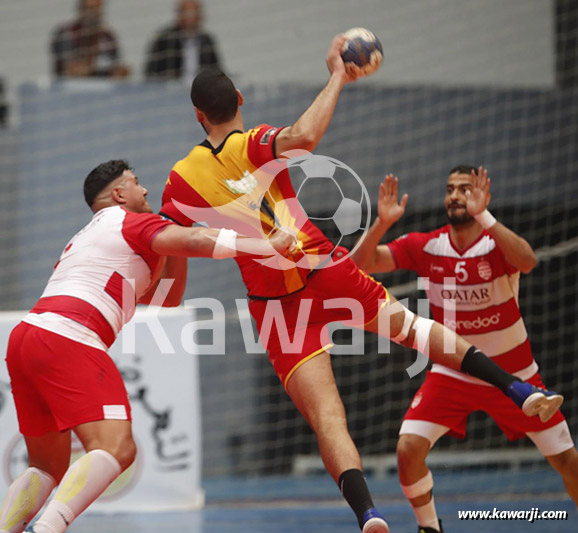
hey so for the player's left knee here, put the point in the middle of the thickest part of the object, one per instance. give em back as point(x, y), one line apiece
point(411, 450)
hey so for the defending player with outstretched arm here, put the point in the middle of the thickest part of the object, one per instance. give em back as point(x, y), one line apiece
point(61, 375)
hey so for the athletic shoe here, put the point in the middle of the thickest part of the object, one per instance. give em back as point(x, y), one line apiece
point(535, 401)
point(430, 529)
point(373, 522)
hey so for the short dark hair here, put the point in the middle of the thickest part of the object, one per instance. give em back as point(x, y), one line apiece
point(464, 169)
point(213, 93)
point(101, 176)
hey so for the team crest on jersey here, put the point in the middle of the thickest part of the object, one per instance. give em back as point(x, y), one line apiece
point(416, 400)
point(267, 136)
point(484, 270)
point(245, 185)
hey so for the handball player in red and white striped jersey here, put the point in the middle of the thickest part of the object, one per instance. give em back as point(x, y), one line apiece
point(474, 263)
point(61, 375)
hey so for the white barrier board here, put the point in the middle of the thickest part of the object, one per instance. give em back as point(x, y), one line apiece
point(164, 392)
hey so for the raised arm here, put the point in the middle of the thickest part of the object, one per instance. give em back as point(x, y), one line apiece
point(309, 128)
point(517, 250)
point(369, 254)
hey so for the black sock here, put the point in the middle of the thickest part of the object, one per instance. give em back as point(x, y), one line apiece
point(479, 365)
point(354, 489)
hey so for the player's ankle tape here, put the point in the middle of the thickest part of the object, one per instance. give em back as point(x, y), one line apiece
point(419, 488)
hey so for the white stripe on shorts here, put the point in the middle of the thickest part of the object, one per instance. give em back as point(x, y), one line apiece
point(114, 412)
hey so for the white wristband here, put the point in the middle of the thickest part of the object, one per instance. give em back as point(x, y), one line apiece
point(225, 245)
point(485, 219)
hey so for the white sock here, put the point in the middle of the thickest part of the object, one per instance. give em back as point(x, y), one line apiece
point(427, 516)
point(84, 482)
point(24, 499)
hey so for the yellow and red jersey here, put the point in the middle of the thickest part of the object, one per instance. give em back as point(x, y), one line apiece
point(226, 187)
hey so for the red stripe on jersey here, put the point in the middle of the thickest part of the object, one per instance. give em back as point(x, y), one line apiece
point(177, 188)
point(517, 359)
point(467, 271)
point(487, 320)
point(433, 255)
point(115, 288)
point(78, 310)
point(485, 290)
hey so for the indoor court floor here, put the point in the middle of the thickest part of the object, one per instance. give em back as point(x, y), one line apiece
point(313, 505)
point(316, 518)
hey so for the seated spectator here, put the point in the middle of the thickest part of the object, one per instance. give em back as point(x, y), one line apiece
point(181, 50)
point(3, 105)
point(85, 47)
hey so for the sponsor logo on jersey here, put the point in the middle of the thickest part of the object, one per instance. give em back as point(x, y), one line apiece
point(484, 270)
point(436, 269)
point(478, 323)
point(471, 296)
point(245, 185)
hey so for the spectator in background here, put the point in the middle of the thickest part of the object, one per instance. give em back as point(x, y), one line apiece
point(181, 50)
point(85, 47)
point(3, 105)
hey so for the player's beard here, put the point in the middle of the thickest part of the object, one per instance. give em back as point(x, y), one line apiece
point(459, 220)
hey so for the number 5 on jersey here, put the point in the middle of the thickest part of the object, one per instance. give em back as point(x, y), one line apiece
point(461, 272)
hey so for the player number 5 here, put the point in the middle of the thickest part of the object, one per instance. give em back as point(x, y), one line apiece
point(461, 272)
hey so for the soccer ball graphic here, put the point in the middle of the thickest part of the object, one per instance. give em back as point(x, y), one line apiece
point(333, 196)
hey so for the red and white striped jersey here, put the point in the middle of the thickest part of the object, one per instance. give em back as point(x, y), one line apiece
point(473, 292)
point(103, 271)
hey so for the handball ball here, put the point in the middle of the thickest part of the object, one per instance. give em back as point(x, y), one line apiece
point(362, 52)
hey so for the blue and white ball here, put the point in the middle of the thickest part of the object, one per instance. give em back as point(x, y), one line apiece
point(362, 52)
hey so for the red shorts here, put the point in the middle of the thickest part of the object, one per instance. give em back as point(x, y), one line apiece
point(58, 383)
point(448, 401)
point(293, 329)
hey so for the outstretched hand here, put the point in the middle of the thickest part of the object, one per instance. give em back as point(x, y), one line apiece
point(479, 197)
point(335, 62)
point(388, 208)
